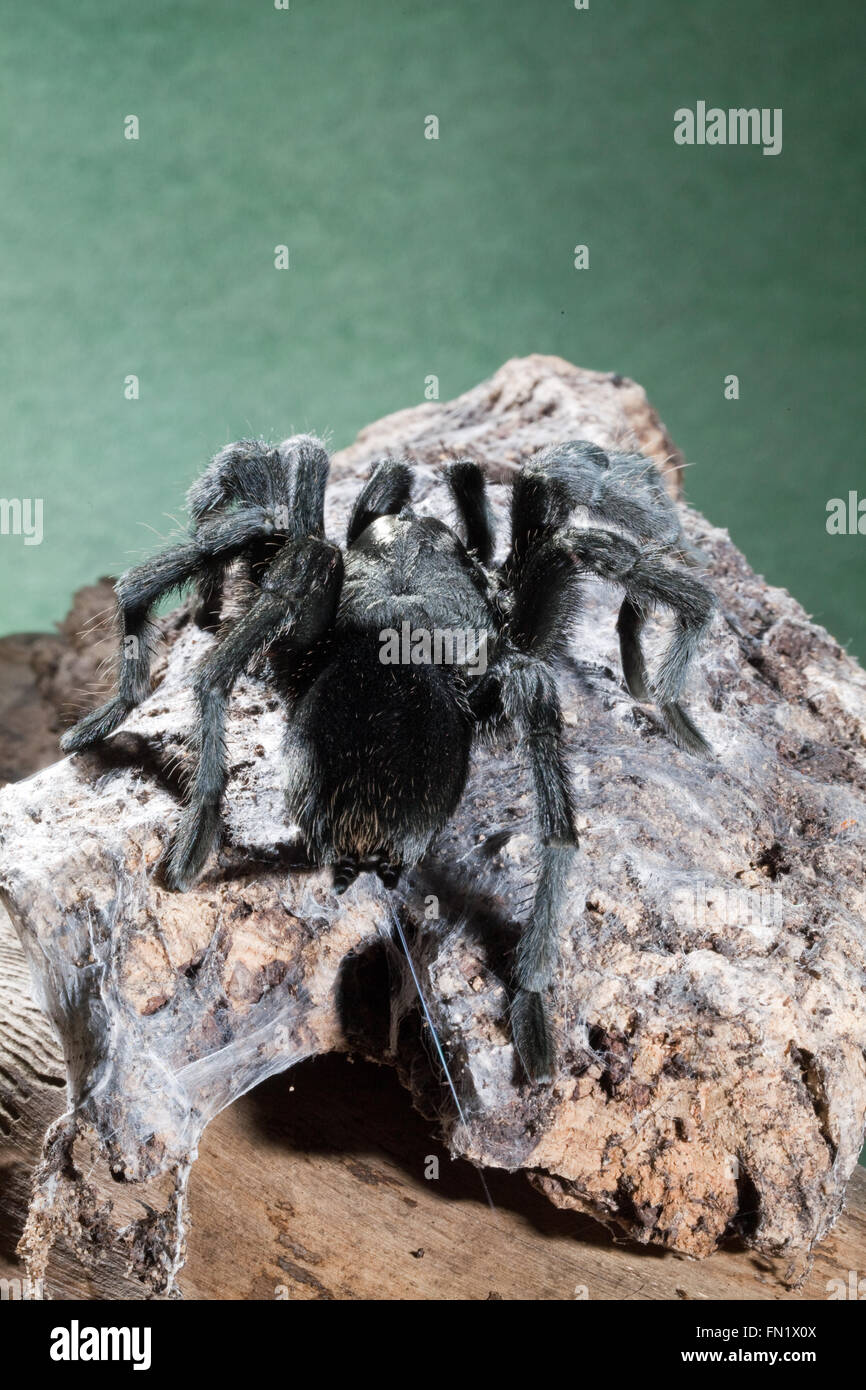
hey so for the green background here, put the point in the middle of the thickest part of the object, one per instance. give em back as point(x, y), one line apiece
point(411, 257)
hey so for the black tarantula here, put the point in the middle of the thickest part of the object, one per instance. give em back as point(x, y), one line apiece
point(377, 754)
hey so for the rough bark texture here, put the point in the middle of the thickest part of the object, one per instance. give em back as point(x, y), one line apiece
point(710, 1004)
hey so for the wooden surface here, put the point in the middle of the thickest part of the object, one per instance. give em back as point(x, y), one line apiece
point(313, 1187)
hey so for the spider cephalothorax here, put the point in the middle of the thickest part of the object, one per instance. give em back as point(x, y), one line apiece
point(378, 749)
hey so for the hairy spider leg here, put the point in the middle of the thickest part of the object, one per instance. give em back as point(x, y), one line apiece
point(522, 688)
point(469, 490)
point(385, 493)
point(629, 492)
point(624, 490)
point(288, 478)
point(298, 603)
point(292, 475)
point(219, 540)
point(649, 583)
point(249, 500)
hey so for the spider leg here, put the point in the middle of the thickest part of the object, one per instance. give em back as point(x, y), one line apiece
point(648, 583)
point(385, 493)
point(217, 541)
point(628, 491)
point(208, 609)
point(297, 605)
point(469, 490)
point(545, 601)
point(529, 697)
point(288, 479)
point(291, 475)
point(629, 625)
point(624, 490)
point(546, 598)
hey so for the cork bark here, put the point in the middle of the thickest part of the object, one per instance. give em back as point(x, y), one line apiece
point(712, 1042)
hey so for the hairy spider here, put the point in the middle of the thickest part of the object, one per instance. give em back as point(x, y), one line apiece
point(377, 754)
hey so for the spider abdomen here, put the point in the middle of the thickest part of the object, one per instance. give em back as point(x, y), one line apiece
point(376, 754)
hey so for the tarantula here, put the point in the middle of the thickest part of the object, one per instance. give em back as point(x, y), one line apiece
point(377, 754)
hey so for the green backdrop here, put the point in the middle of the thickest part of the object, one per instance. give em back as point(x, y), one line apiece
point(410, 256)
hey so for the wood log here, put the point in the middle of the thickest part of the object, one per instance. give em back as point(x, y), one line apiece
point(711, 1088)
